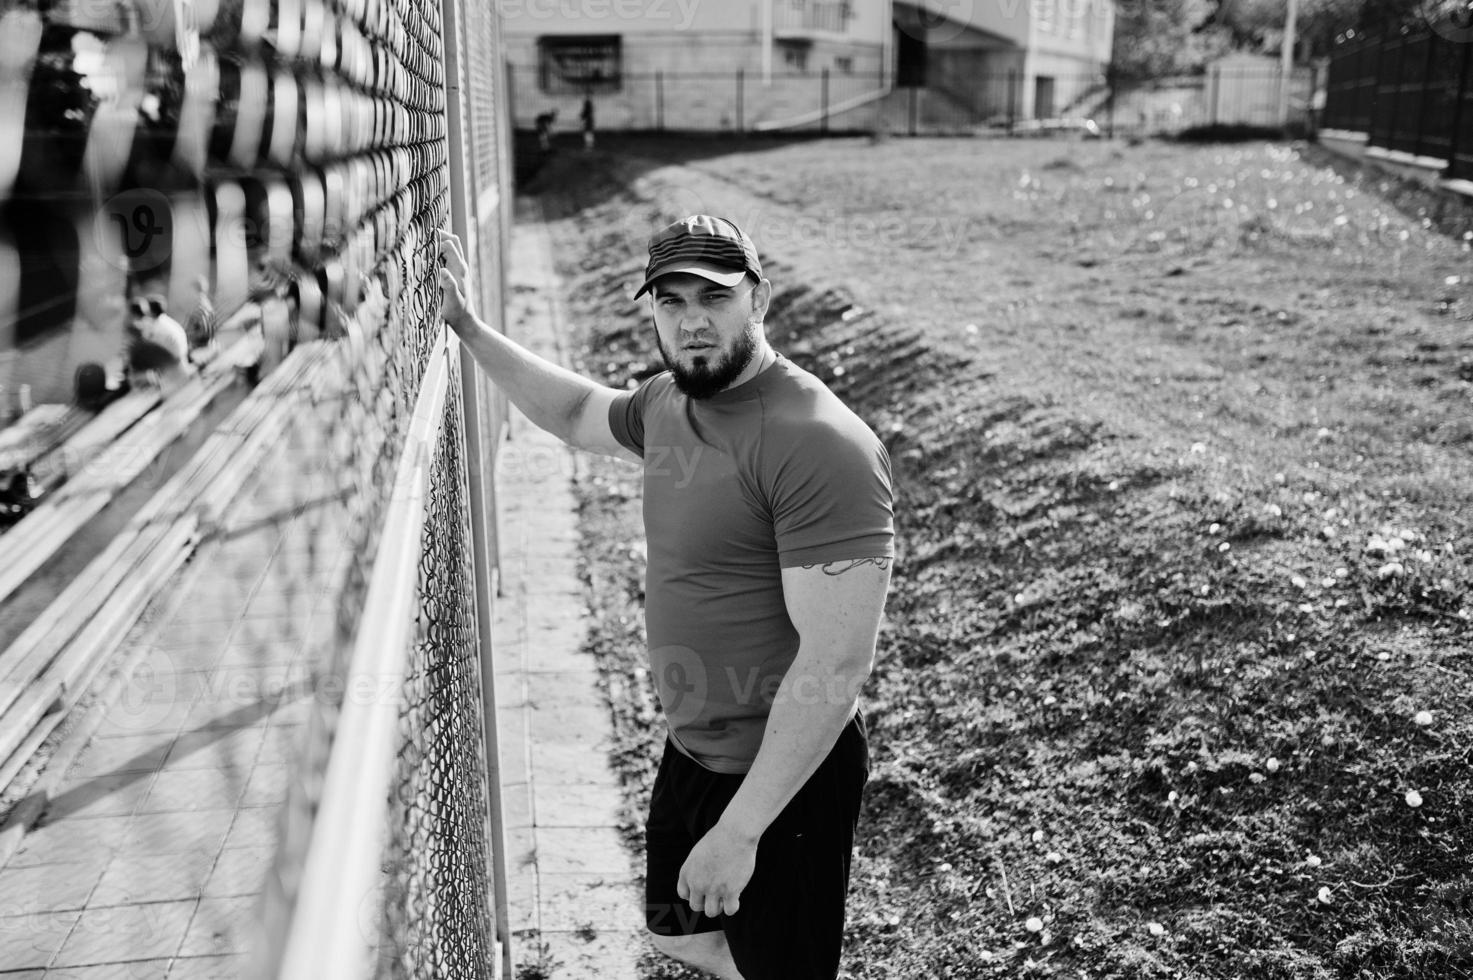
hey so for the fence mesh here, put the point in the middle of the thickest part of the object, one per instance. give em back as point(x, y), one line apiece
point(271, 173)
point(1229, 93)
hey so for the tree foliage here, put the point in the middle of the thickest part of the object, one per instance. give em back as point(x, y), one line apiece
point(1164, 37)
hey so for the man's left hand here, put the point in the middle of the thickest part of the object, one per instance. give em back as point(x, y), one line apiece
point(718, 868)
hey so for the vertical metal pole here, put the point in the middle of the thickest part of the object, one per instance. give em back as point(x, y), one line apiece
point(1371, 134)
point(1012, 99)
point(1452, 170)
point(823, 123)
point(741, 122)
point(482, 518)
point(660, 101)
point(915, 109)
point(1286, 62)
point(1427, 57)
point(1311, 118)
point(765, 12)
point(1110, 105)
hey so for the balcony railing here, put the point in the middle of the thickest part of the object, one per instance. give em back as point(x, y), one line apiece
point(799, 18)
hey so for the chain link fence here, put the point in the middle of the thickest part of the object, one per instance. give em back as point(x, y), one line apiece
point(1234, 92)
point(256, 185)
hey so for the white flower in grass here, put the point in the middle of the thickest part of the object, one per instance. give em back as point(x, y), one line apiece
point(1422, 718)
point(1390, 570)
point(1034, 924)
point(1156, 929)
point(1324, 896)
point(1272, 764)
point(1313, 860)
point(1413, 798)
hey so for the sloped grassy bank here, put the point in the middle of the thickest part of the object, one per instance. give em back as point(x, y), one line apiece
point(1137, 713)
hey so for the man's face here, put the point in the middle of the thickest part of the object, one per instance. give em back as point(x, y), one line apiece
point(707, 333)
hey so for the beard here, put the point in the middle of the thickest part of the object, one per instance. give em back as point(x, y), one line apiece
point(711, 373)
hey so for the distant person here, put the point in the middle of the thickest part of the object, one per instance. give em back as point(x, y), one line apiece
point(586, 114)
point(768, 514)
point(544, 129)
point(200, 325)
point(158, 347)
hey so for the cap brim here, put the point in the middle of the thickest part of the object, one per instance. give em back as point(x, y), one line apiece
point(722, 277)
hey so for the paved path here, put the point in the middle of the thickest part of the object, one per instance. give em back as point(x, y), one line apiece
point(572, 885)
point(148, 861)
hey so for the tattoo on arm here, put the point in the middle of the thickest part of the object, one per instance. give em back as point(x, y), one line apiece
point(840, 567)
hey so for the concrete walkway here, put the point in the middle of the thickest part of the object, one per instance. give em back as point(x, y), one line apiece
point(575, 906)
point(149, 858)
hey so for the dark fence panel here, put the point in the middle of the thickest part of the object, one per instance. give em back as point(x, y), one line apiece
point(1408, 91)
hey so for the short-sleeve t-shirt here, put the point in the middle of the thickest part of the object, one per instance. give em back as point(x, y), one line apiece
point(772, 474)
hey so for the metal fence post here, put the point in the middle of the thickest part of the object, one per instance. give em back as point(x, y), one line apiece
point(1110, 105)
point(1452, 170)
point(1311, 117)
point(741, 124)
point(823, 123)
point(660, 101)
point(915, 110)
point(480, 474)
point(1427, 52)
point(1381, 45)
point(1012, 98)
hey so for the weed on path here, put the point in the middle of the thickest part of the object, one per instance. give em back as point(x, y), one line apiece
point(1175, 675)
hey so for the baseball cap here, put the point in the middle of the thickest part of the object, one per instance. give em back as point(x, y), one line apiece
point(702, 245)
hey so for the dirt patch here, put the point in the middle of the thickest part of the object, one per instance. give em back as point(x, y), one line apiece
point(1181, 441)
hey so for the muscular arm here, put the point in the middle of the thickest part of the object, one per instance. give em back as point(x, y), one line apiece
point(568, 405)
point(836, 608)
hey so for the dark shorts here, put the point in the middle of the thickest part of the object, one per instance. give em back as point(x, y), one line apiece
point(791, 921)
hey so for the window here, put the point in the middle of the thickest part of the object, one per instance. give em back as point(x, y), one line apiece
point(845, 64)
point(575, 65)
point(795, 56)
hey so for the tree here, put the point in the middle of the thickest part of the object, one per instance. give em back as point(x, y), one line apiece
point(1259, 24)
point(1164, 37)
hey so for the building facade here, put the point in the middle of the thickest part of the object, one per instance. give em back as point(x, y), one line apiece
point(1019, 59)
point(694, 64)
point(759, 64)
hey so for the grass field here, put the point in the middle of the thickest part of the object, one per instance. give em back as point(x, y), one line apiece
point(1175, 679)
